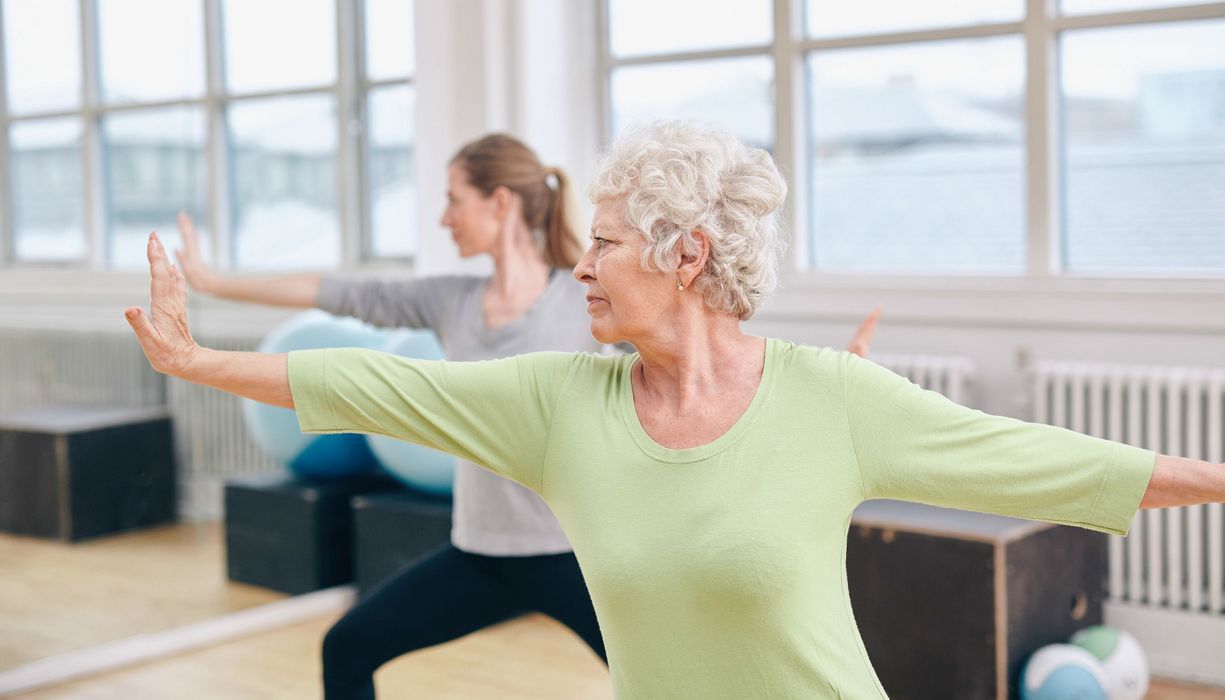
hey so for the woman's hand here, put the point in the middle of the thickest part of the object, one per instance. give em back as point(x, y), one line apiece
point(198, 273)
point(163, 332)
point(862, 341)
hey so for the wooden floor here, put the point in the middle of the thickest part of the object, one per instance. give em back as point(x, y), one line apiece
point(56, 597)
point(529, 658)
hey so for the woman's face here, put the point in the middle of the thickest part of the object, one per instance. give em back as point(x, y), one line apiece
point(470, 215)
point(624, 301)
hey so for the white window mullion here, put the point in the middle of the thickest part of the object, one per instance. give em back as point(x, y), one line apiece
point(790, 144)
point(8, 248)
point(704, 55)
point(604, 66)
point(1183, 13)
point(218, 156)
point(350, 180)
point(973, 31)
point(1043, 167)
point(93, 181)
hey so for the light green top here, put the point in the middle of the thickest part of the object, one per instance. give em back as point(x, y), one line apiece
point(719, 571)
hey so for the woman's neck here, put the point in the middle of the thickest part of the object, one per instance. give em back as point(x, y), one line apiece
point(692, 359)
point(519, 270)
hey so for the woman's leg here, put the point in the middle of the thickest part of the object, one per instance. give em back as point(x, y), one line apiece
point(553, 584)
point(445, 596)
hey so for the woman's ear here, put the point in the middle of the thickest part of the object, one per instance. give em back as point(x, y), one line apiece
point(506, 203)
point(501, 197)
point(691, 262)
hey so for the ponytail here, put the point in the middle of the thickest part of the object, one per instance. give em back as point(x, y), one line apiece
point(499, 160)
point(562, 247)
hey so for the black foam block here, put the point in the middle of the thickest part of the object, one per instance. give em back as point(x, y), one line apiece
point(393, 529)
point(951, 604)
point(291, 535)
point(77, 472)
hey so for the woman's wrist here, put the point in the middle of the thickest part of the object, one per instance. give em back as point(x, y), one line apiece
point(209, 283)
point(193, 364)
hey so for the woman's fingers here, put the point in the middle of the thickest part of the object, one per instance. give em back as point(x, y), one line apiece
point(187, 229)
point(161, 282)
point(862, 342)
point(146, 334)
point(163, 332)
point(198, 273)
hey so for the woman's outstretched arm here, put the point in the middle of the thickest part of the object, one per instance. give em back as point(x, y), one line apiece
point(297, 291)
point(166, 339)
point(1178, 481)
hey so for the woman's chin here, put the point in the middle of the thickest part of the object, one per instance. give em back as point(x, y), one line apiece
point(602, 333)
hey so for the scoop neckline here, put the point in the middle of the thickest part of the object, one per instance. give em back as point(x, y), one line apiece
point(699, 452)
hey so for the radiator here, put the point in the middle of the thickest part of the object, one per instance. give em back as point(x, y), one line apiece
point(1173, 561)
point(951, 376)
point(40, 368)
point(45, 368)
point(211, 439)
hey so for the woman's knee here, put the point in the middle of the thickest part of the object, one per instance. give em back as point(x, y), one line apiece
point(342, 643)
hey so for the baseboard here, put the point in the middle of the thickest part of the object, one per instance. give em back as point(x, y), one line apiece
point(1180, 645)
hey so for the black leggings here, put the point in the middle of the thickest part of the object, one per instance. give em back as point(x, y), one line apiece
point(446, 595)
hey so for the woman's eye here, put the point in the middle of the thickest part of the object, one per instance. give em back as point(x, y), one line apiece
point(599, 244)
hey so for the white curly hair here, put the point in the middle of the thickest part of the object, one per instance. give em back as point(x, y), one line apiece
point(677, 177)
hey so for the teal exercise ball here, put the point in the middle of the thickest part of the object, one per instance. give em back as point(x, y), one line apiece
point(275, 430)
point(1063, 672)
point(1121, 655)
point(417, 467)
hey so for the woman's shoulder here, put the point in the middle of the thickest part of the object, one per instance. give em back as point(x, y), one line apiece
point(590, 373)
point(810, 369)
point(794, 354)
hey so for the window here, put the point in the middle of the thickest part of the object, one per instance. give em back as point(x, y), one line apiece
point(910, 134)
point(1144, 147)
point(917, 157)
point(285, 153)
point(392, 191)
point(690, 59)
point(46, 199)
point(154, 166)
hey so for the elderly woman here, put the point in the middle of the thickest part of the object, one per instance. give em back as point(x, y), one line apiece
point(707, 481)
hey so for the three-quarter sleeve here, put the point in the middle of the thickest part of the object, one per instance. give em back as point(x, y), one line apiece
point(495, 413)
point(916, 445)
point(416, 303)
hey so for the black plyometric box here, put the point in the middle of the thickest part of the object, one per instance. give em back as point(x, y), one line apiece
point(392, 529)
point(951, 604)
point(77, 472)
point(292, 535)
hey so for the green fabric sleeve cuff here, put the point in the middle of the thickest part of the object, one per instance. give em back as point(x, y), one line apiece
point(1123, 488)
point(308, 387)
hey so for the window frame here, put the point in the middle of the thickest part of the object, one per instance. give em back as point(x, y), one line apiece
point(350, 91)
point(1040, 29)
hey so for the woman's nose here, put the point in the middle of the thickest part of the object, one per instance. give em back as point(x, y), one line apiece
point(584, 271)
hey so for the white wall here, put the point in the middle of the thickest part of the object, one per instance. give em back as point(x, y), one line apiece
point(492, 65)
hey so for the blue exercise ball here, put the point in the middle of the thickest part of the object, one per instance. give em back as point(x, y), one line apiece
point(417, 467)
point(1063, 672)
point(275, 430)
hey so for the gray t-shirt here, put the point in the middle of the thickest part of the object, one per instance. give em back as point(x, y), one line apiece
point(492, 515)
